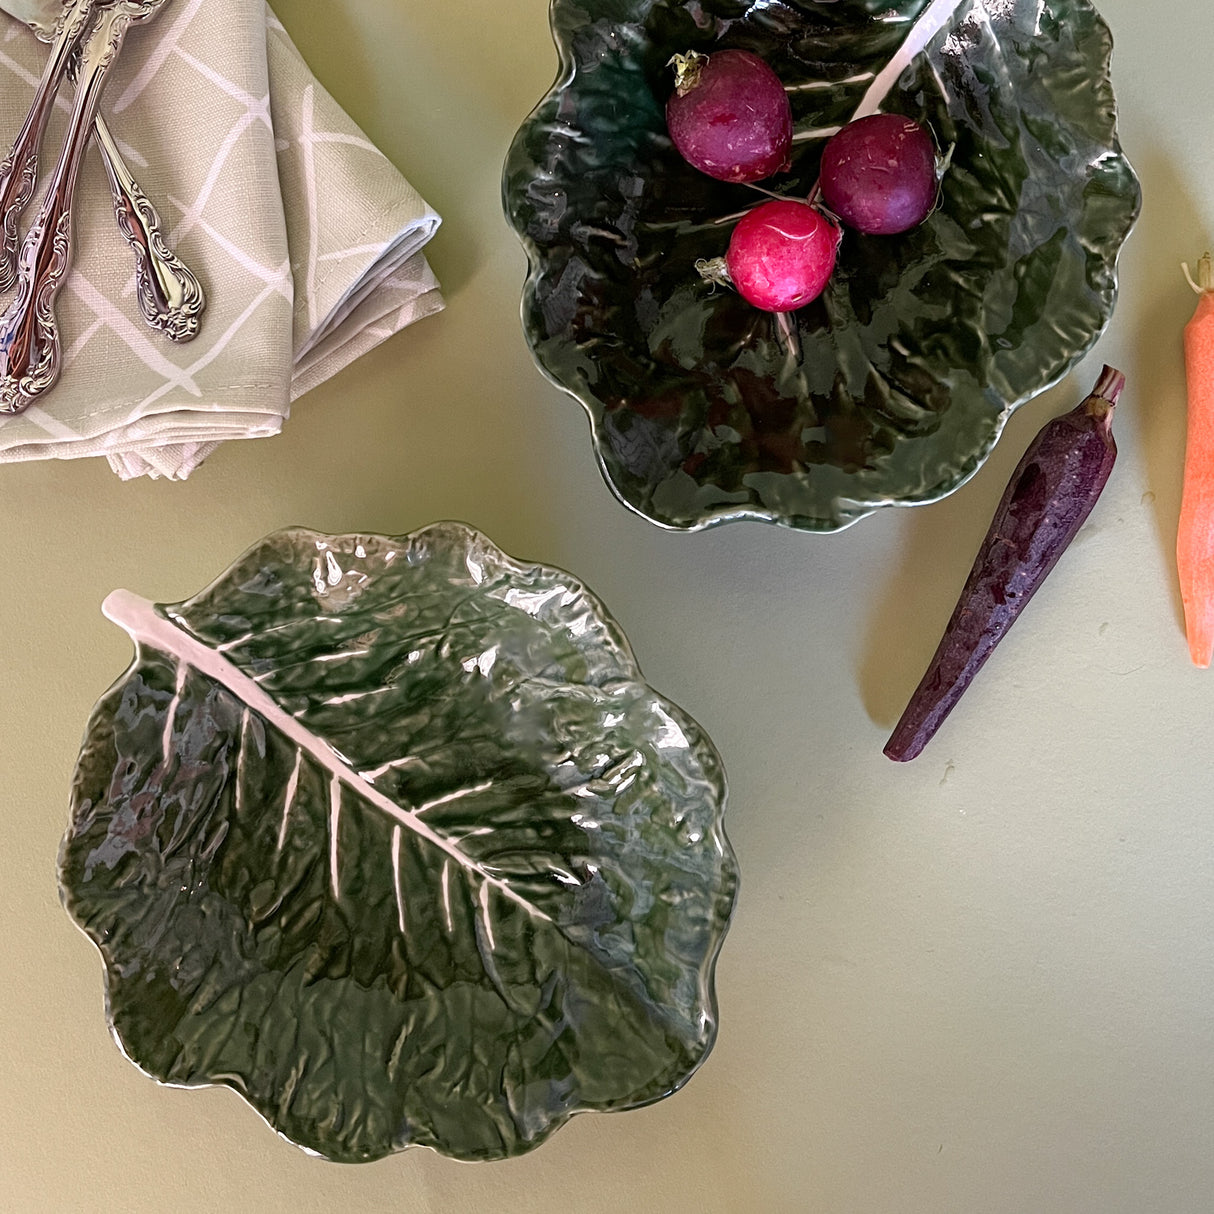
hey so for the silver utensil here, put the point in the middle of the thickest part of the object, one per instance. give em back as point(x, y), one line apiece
point(31, 353)
point(19, 172)
point(170, 296)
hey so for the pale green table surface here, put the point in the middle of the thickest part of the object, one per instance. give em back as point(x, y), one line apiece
point(977, 984)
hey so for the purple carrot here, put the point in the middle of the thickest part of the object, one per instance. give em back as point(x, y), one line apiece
point(1049, 497)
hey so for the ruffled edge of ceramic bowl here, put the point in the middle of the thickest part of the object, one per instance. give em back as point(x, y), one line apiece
point(714, 769)
point(860, 508)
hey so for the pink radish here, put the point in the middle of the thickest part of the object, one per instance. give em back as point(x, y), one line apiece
point(879, 174)
point(729, 116)
point(780, 255)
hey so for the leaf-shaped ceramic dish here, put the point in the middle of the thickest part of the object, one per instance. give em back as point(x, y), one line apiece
point(894, 385)
point(388, 835)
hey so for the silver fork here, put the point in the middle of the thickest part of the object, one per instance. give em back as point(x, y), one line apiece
point(168, 292)
point(31, 354)
point(170, 296)
point(19, 172)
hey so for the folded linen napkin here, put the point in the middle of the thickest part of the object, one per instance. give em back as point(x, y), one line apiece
point(306, 238)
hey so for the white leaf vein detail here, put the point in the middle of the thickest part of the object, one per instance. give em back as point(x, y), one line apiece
point(334, 828)
point(933, 19)
point(289, 800)
point(240, 760)
point(139, 619)
point(396, 879)
point(170, 716)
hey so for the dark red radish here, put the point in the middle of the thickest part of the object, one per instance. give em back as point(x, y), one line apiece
point(878, 174)
point(729, 116)
point(781, 255)
point(1049, 497)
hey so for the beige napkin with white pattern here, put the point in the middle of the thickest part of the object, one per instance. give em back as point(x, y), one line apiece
point(306, 238)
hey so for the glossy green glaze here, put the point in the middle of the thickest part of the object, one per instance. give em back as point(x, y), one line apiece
point(462, 875)
point(894, 385)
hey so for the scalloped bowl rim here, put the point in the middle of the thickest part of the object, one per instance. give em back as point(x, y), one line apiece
point(566, 73)
point(716, 779)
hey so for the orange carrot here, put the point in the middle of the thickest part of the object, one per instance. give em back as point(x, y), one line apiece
point(1195, 534)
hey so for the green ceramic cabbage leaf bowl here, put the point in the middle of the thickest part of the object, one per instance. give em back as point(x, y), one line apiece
point(894, 385)
point(390, 836)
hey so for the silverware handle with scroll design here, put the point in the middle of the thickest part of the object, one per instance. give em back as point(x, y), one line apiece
point(31, 354)
point(19, 171)
point(170, 296)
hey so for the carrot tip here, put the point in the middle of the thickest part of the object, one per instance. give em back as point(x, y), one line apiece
point(1199, 629)
point(907, 742)
point(1201, 645)
point(1109, 385)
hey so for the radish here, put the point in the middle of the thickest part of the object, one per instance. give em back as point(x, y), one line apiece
point(780, 257)
point(1051, 493)
point(729, 116)
point(879, 174)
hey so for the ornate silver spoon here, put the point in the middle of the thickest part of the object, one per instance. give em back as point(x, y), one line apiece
point(169, 293)
point(19, 172)
point(31, 354)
